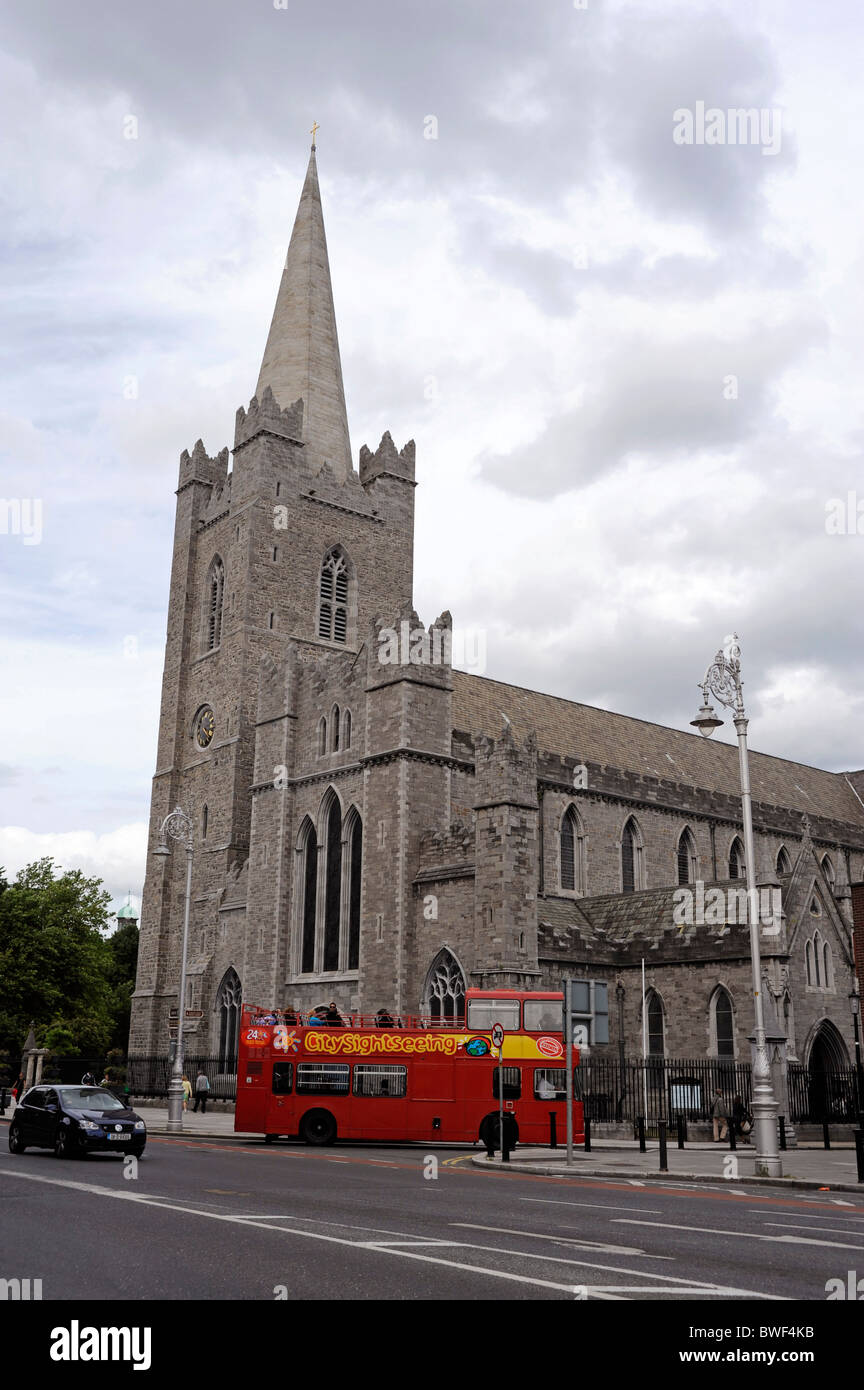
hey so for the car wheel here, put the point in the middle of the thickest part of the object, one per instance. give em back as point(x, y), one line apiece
point(318, 1127)
point(62, 1143)
point(16, 1143)
point(490, 1130)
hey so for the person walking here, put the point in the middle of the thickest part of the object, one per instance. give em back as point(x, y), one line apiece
point(720, 1115)
point(741, 1119)
point(187, 1091)
point(202, 1088)
point(88, 1079)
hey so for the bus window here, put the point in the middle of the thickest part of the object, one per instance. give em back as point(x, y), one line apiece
point(322, 1079)
point(550, 1083)
point(512, 1077)
point(482, 1013)
point(372, 1080)
point(543, 1016)
point(282, 1076)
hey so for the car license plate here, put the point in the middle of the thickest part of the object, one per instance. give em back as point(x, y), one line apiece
point(118, 1136)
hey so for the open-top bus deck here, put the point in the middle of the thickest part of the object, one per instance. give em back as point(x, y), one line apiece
point(329, 1075)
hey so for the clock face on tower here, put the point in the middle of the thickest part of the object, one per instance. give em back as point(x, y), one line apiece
point(204, 726)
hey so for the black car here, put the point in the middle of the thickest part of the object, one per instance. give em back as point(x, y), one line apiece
point(73, 1120)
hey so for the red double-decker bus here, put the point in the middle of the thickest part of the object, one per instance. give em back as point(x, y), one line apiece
point(400, 1077)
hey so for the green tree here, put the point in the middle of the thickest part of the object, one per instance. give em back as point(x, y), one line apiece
point(123, 962)
point(55, 962)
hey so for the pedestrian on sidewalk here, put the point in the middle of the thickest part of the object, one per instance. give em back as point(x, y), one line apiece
point(88, 1079)
point(741, 1119)
point(202, 1088)
point(720, 1116)
point(187, 1091)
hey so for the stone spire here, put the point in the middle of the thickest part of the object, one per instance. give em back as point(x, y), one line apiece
point(301, 358)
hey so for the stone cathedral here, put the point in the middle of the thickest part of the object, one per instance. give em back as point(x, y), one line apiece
point(374, 827)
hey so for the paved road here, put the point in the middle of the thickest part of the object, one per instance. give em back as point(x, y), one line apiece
point(240, 1220)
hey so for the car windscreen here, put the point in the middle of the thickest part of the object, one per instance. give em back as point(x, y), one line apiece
point(92, 1099)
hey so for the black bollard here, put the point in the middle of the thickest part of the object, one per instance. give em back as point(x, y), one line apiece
point(782, 1120)
point(505, 1142)
point(682, 1130)
point(859, 1152)
point(553, 1130)
point(732, 1143)
point(587, 1135)
point(3, 1101)
point(640, 1131)
point(661, 1135)
point(826, 1137)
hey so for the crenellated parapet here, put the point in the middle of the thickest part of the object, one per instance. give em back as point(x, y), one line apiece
point(506, 770)
point(387, 461)
point(199, 467)
point(266, 416)
point(400, 647)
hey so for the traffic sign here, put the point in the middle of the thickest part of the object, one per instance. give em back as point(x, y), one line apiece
point(497, 1034)
point(194, 1013)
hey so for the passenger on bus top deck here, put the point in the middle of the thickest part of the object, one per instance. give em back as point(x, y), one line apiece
point(318, 1017)
point(333, 1016)
point(383, 1019)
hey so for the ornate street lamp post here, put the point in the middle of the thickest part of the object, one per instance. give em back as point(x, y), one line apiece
point(723, 681)
point(855, 1003)
point(179, 827)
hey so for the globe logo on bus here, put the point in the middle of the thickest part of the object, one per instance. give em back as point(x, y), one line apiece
point(477, 1047)
point(550, 1047)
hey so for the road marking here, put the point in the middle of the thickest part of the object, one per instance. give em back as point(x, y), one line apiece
point(599, 1247)
point(598, 1206)
point(808, 1216)
point(149, 1200)
point(827, 1230)
point(748, 1235)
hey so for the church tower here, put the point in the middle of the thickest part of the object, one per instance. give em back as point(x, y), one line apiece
point(281, 566)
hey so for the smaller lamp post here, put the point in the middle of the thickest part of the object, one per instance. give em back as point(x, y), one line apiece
point(179, 827)
point(855, 1004)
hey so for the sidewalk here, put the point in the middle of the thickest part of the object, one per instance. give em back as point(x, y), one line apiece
point(811, 1167)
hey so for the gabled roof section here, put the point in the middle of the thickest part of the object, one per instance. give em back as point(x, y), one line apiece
point(301, 359)
point(620, 741)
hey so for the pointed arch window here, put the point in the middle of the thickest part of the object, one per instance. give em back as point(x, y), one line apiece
point(322, 736)
point(827, 967)
point(333, 886)
point(828, 870)
point(333, 597)
point(572, 852)
point(309, 860)
point(346, 729)
point(654, 1011)
point(228, 1002)
point(817, 959)
point(355, 881)
point(686, 858)
point(724, 1024)
point(444, 991)
point(631, 858)
point(214, 595)
point(808, 961)
point(204, 818)
point(334, 729)
point(736, 859)
point(784, 863)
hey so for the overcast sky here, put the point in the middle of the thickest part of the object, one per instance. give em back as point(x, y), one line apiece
point(632, 366)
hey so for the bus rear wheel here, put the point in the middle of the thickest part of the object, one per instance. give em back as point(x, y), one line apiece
point(318, 1127)
point(490, 1130)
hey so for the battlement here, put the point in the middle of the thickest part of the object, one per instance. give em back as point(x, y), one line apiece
point(387, 461)
point(267, 416)
point(401, 645)
point(199, 467)
point(505, 769)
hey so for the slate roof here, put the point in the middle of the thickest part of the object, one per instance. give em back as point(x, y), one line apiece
point(633, 745)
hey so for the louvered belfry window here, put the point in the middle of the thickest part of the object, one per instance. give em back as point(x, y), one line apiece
point(568, 858)
point(628, 855)
point(215, 590)
point(333, 606)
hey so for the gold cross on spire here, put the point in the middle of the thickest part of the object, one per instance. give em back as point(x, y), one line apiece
point(315, 127)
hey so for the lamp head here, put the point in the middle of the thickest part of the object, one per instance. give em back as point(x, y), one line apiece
point(706, 720)
point(162, 850)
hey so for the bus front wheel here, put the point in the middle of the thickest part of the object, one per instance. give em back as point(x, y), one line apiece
point(490, 1130)
point(318, 1127)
